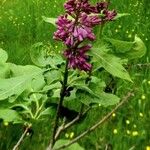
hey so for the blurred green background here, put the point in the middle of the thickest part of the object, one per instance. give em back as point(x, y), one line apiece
point(21, 26)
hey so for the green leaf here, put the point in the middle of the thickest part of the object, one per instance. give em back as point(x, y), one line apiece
point(10, 115)
point(47, 112)
point(96, 85)
point(22, 106)
point(120, 46)
point(130, 50)
point(110, 63)
point(85, 88)
point(39, 55)
point(77, 77)
point(120, 15)
point(103, 99)
point(56, 60)
point(50, 20)
point(107, 99)
point(3, 55)
point(18, 70)
point(16, 85)
point(56, 85)
point(56, 93)
point(138, 50)
point(4, 70)
point(13, 86)
point(72, 95)
point(52, 76)
point(42, 56)
point(74, 146)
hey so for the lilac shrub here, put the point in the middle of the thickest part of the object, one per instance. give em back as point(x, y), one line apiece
point(76, 26)
point(32, 92)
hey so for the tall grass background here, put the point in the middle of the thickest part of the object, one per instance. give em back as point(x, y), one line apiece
point(21, 26)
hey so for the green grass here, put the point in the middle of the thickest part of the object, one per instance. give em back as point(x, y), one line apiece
point(22, 25)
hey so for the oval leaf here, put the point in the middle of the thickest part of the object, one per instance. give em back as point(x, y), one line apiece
point(16, 85)
point(110, 63)
point(50, 20)
point(3, 55)
point(10, 115)
point(129, 50)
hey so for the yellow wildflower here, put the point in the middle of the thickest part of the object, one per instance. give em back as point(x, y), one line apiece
point(113, 114)
point(128, 132)
point(67, 135)
point(115, 131)
point(129, 36)
point(135, 133)
point(71, 135)
point(141, 114)
point(116, 30)
point(147, 147)
point(143, 97)
point(56, 46)
point(119, 26)
point(6, 123)
point(144, 81)
point(127, 122)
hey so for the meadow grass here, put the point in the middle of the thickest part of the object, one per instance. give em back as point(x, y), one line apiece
point(22, 25)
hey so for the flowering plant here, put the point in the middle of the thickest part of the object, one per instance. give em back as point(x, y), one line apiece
point(73, 32)
point(78, 78)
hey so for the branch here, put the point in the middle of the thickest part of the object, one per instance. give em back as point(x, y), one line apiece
point(77, 118)
point(62, 95)
point(145, 65)
point(132, 148)
point(104, 119)
point(141, 66)
point(59, 130)
point(22, 138)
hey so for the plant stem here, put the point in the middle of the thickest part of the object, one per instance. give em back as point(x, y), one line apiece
point(71, 123)
point(100, 32)
point(62, 95)
point(21, 138)
point(100, 122)
point(37, 114)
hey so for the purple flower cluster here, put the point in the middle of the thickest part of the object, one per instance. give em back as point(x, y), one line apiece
point(78, 59)
point(77, 25)
point(73, 6)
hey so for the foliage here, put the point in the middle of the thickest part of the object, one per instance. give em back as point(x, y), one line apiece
point(40, 84)
point(74, 146)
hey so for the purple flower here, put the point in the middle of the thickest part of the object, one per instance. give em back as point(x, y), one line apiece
point(72, 32)
point(73, 6)
point(70, 6)
point(78, 59)
point(64, 30)
point(101, 6)
point(109, 15)
point(83, 32)
point(90, 21)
